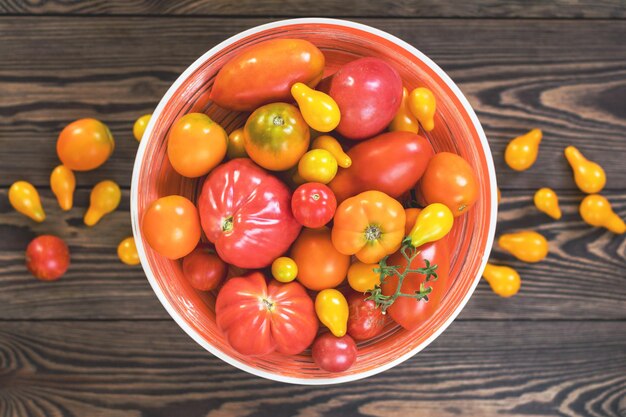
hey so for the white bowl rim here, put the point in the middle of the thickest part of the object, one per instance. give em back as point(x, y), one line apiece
point(142, 149)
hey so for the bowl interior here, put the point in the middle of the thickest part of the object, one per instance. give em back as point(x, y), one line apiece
point(455, 131)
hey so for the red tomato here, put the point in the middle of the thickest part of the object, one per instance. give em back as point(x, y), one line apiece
point(334, 354)
point(47, 257)
point(391, 162)
point(409, 312)
point(449, 180)
point(368, 92)
point(171, 226)
point(246, 213)
point(313, 204)
point(264, 73)
point(365, 320)
point(204, 269)
point(258, 319)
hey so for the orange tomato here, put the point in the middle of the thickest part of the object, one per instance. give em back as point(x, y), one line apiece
point(411, 217)
point(85, 144)
point(451, 181)
point(171, 225)
point(236, 147)
point(363, 277)
point(369, 225)
point(196, 145)
point(276, 136)
point(320, 265)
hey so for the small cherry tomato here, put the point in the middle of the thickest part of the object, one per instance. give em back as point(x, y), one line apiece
point(203, 268)
point(284, 269)
point(47, 257)
point(313, 204)
point(433, 223)
point(140, 126)
point(236, 147)
point(423, 104)
point(318, 109)
point(363, 277)
point(365, 320)
point(317, 165)
point(171, 225)
point(334, 354)
point(127, 251)
point(24, 198)
point(104, 199)
point(63, 183)
point(332, 310)
point(85, 144)
point(196, 145)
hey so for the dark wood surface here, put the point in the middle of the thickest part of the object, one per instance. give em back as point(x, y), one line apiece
point(98, 343)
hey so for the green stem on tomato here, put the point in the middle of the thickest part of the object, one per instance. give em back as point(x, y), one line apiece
point(409, 253)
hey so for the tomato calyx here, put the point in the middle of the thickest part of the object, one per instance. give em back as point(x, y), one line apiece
point(409, 253)
point(268, 304)
point(372, 233)
point(227, 224)
point(278, 121)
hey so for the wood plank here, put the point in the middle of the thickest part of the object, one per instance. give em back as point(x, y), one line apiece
point(566, 77)
point(330, 8)
point(153, 368)
point(583, 277)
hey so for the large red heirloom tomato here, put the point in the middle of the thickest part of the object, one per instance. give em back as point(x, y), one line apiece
point(246, 213)
point(258, 318)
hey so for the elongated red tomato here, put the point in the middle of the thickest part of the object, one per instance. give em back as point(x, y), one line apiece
point(391, 162)
point(265, 72)
point(409, 312)
point(258, 319)
point(246, 213)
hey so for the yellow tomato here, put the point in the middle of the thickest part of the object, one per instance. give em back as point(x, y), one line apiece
point(332, 310)
point(547, 202)
point(423, 104)
point(140, 126)
point(24, 198)
point(521, 152)
point(404, 121)
point(284, 269)
point(597, 211)
point(318, 109)
point(317, 165)
point(85, 144)
point(196, 145)
point(433, 223)
point(104, 198)
point(526, 246)
point(589, 176)
point(127, 251)
point(503, 280)
point(363, 277)
point(236, 145)
point(333, 146)
point(63, 183)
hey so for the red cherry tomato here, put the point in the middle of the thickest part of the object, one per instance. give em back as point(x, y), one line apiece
point(203, 268)
point(334, 354)
point(365, 320)
point(47, 257)
point(313, 204)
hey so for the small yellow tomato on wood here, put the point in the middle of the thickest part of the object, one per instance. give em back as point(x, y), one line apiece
point(140, 126)
point(589, 176)
point(597, 211)
point(63, 183)
point(526, 246)
point(24, 198)
point(521, 152)
point(127, 251)
point(546, 201)
point(104, 199)
point(503, 280)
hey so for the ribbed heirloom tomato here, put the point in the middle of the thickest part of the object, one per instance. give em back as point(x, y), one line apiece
point(259, 319)
point(246, 213)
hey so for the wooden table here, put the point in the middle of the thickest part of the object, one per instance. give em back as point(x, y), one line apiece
point(98, 343)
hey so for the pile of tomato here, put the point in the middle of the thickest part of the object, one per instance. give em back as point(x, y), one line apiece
point(321, 186)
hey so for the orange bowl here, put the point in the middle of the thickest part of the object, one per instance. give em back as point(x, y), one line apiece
point(458, 130)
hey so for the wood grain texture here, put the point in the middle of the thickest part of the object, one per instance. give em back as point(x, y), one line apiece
point(566, 77)
point(583, 277)
point(330, 8)
point(154, 369)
